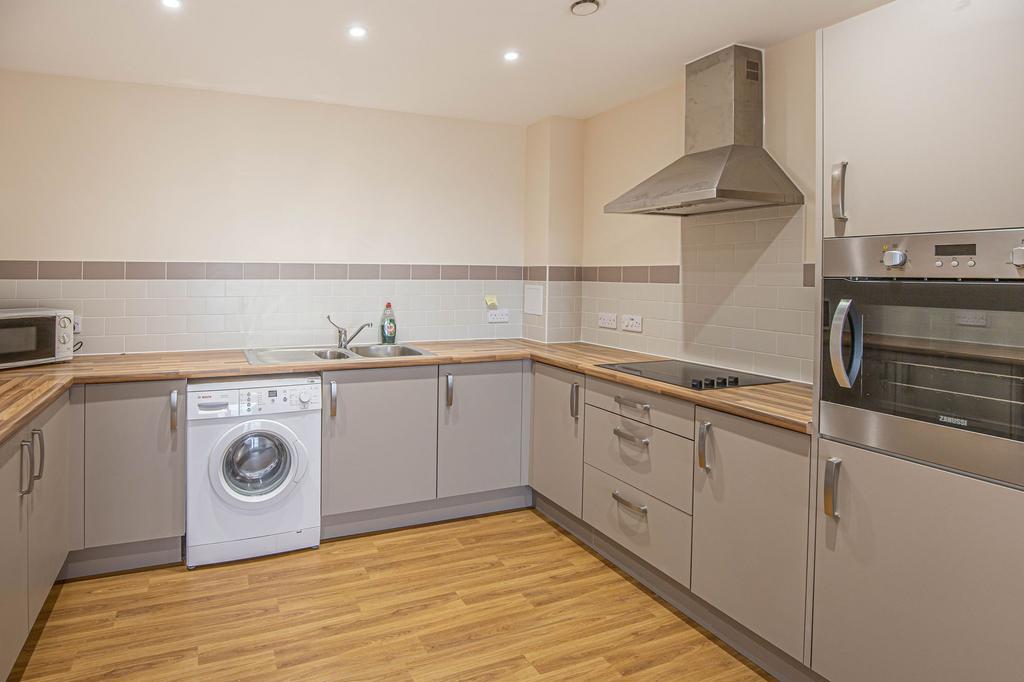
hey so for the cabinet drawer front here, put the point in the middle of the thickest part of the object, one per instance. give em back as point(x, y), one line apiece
point(660, 536)
point(666, 413)
point(662, 467)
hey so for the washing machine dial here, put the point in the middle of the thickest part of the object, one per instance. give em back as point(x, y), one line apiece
point(304, 397)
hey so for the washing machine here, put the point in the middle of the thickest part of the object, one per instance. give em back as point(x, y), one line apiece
point(253, 468)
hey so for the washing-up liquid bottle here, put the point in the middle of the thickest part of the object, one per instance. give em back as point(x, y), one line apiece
point(388, 326)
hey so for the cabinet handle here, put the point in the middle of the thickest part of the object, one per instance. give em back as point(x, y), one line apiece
point(574, 401)
point(839, 191)
point(642, 407)
point(334, 398)
point(632, 506)
point(450, 390)
point(702, 446)
point(42, 452)
point(832, 487)
point(26, 447)
point(631, 438)
point(174, 410)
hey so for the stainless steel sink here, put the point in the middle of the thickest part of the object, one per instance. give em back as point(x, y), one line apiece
point(386, 350)
point(277, 356)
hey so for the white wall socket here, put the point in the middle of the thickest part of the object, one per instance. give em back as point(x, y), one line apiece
point(607, 320)
point(632, 323)
point(972, 318)
point(498, 315)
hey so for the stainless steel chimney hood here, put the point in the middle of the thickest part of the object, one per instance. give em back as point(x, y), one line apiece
point(725, 167)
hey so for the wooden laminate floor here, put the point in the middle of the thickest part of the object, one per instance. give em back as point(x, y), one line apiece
point(502, 597)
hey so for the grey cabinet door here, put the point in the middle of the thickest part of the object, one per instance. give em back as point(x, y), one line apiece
point(920, 576)
point(750, 514)
point(556, 451)
point(479, 435)
point(49, 526)
point(379, 438)
point(134, 462)
point(14, 474)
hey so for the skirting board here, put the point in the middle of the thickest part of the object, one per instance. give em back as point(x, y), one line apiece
point(431, 511)
point(126, 557)
point(770, 658)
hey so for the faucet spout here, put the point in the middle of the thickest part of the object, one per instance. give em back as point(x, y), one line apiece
point(356, 333)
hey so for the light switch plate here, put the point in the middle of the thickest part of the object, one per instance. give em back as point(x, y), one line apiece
point(607, 320)
point(498, 315)
point(632, 323)
point(77, 325)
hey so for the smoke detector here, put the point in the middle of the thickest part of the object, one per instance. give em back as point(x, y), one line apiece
point(584, 8)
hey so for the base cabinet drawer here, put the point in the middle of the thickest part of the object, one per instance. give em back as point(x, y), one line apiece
point(656, 532)
point(655, 461)
point(670, 414)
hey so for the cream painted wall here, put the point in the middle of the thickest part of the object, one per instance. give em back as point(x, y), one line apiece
point(538, 198)
point(554, 192)
point(622, 147)
point(789, 103)
point(98, 170)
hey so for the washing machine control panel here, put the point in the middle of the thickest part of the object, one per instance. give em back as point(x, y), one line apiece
point(279, 399)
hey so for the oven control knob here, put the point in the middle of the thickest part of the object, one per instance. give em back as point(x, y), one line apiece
point(894, 258)
point(971, 263)
point(64, 322)
point(63, 339)
point(954, 263)
point(938, 264)
point(1017, 256)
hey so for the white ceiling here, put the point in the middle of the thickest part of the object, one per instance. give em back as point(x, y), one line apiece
point(439, 57)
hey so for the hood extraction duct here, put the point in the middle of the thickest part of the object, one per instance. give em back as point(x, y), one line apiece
point(725, 167)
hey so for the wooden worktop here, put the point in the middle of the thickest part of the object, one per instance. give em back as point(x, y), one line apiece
point(25, 392)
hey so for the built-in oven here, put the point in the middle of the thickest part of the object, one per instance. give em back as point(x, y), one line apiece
point(923, 348)
point(34, 336)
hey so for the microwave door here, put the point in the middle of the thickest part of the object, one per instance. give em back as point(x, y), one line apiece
point(27, 340)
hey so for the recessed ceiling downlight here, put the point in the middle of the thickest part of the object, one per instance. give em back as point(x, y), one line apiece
point(171, 4)
point(357, 32)
point(584, 8)
point(512, 56)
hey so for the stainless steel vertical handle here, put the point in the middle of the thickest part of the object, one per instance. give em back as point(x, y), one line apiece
point(831, 496)
point(574, 401)
point(450, 391)
point(334, 398)
point(632, 506)
point(42, 451)
point(27, 448)
point(702, 446)
point(839, 191)
point(630, 438)
point(844, 375)
point(174, 410)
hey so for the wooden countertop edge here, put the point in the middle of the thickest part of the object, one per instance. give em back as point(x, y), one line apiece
point(737, 401)
point(15, 417)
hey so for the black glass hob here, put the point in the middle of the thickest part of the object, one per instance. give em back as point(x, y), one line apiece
point(690, 375)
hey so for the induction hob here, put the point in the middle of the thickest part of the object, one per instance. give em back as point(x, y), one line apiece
point(690, 375)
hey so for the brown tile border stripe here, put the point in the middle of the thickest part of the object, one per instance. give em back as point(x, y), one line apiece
point(297, 271)
point(393, 271)
point(145, 270)
point(261, 271)
point(18, 269)
point(454, 272)
point(102, 269)
point(186, 271)
point(60, 269)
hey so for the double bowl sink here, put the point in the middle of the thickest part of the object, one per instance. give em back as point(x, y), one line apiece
point(277, 356)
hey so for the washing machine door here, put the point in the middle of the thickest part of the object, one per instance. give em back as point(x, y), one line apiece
point(257, 464)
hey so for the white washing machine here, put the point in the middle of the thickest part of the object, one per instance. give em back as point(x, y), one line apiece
point(253, 468)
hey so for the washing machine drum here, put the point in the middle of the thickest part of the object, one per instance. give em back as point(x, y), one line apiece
point(257, 463)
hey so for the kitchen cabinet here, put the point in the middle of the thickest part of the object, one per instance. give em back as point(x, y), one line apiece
point(379, 438)
point(922, 99)
point(34, 522)
point(480, 429)
point(751, 493)
point(669, 414)
point(134, 461)
point(556, 452)
point(917, 572)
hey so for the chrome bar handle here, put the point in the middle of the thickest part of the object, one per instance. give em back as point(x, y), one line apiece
point(174, 410)
point(631, 438)
point(574, 401)
point(632, 506)
point(334, 398)
point(702, 446)
point(642, 407)
point(42, 452)
point(831, 496)
point(846, 376)
point(26, 446)
point(450, 390)
point(839, 191)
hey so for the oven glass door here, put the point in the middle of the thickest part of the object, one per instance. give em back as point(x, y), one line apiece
point(948, 353)
point(27, 339)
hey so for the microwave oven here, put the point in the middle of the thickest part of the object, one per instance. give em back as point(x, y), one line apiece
point(35, 336)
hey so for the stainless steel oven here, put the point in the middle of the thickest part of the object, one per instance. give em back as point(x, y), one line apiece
point(923, 348)
point(34, 336)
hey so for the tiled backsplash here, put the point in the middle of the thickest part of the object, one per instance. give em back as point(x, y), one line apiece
point(124, 315)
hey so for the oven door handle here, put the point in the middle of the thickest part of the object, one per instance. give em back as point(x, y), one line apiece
point(846, 376)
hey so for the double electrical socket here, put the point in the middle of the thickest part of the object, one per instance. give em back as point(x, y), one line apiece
point(498, 315)
point(630, 323)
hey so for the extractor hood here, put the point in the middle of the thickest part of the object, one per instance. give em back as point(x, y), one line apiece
point(725, 167)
